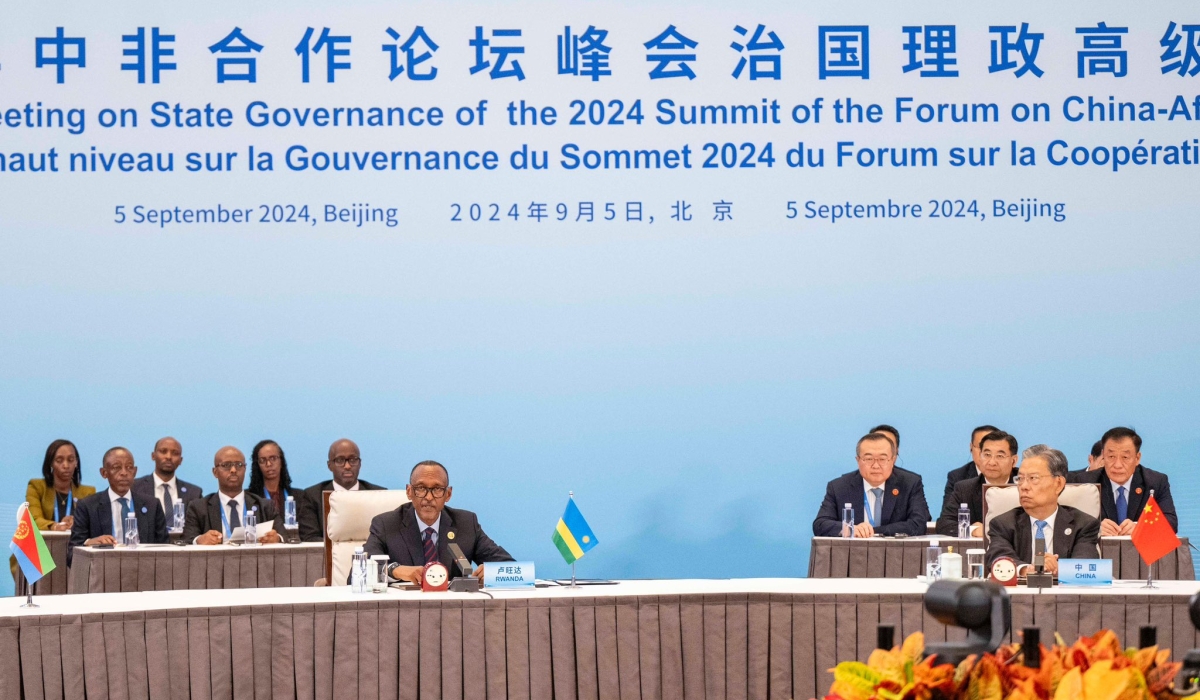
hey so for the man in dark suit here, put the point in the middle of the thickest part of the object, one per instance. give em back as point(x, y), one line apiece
point(344, 462)
point(162, 484)
point(100, 518)
point(1067, 533)
point(968, 470)
point(422, 531)
point(1125, 484)
point(212, 520)
point(997, 458)
point(886, 500)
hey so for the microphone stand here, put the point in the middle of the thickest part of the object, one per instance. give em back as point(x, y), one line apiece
point(1039, 579)
point(1150, 567)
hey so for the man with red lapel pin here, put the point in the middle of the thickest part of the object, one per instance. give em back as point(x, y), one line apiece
point(886, 500)
point(1125, 484)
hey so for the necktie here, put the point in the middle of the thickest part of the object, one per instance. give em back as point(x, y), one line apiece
point(119, 528)
point(1122, 505)
point(168, 503)
point(1041, 534)
point(234, 519)
point(877, 498)
point(430, 546)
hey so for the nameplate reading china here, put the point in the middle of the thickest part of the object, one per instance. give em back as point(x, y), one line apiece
point(508, 574)
point(1085, 572)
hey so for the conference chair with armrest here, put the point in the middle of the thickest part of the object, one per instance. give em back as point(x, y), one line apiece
point(348, 516)
point(1001, 498)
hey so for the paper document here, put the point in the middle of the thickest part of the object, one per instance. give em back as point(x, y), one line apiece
point(260, 530)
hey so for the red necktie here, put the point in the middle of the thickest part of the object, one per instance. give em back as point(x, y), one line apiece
point(430, 546)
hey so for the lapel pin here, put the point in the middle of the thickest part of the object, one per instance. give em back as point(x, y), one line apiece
point(144, 509)
point(182, 489)
point(1138, 490)
point(450, 535)
point(1067, 531)
point(895, 492)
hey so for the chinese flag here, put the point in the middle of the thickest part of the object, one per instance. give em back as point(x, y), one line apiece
point(1152, 535)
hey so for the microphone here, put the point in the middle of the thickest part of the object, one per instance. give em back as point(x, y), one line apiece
point(461, 559)
point(1039, 554)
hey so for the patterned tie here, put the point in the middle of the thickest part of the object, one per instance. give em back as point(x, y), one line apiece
point(430, 546)
point(168, 503)
point(119, 528)
point(1122, 505)
point(235, 521)
point(877, 498)
point(1041, 534)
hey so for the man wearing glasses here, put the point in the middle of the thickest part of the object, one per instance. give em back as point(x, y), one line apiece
point(344, 462)
point(421, 531)
point(886, 500)
point(997, 459)
point(1065, 533)
point(212, 519)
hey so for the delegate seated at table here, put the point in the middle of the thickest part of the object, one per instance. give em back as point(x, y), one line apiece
point(269, 479)
point(164, 483)
point(344, 463)
point(968, 470)
point(212, 519)
point(100, 518)
point(886, 500)
point(1125, 484)
point(421, 531)
point(1067, 533)
point(997, 458)
point(52, 498)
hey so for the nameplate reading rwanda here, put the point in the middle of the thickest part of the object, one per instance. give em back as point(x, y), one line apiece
point(1085, 572)
point(508, 574)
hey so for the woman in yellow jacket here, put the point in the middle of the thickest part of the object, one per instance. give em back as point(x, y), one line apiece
point(53, 496)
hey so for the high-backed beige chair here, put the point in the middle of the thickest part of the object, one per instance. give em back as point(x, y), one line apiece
point(348, 517)
point(999, 499)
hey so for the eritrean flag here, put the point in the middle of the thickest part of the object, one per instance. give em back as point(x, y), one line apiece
point(572, 536)
point(29, 548)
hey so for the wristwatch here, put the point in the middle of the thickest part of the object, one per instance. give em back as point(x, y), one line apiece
point(390, 568)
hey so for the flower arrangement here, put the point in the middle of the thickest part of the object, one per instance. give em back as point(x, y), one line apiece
point(1093, 668)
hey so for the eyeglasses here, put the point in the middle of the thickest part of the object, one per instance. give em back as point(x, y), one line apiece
point(231, 466)
point(1031, 479)
point(343, 461)
point(995, 455)
point(423, 491)
point(273, 459)
point(874, 460)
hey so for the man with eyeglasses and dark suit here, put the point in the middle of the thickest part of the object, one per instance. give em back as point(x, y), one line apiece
point(212, 519)
point(421, 531)
point(344, 462)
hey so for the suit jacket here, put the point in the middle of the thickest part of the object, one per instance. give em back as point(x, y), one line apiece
point(1076, 536)
point(93, 518)
point(397, 534)
point(204, 514)
point(187, 492)
point(310, 510)
point(1144, 480)
point(966, 471)
point(903, 510)
point(41, 500)
point(969, 491)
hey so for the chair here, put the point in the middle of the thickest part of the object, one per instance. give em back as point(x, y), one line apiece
point(348, 517)
point(1001, 498)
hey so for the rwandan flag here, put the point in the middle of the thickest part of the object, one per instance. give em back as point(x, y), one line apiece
point(29, 548)
point(572, 536)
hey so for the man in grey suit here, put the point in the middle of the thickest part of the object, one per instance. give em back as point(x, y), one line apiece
point(421, 531)
point(1065, 532)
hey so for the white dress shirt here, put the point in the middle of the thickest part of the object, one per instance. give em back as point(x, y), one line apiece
point(240, 500)
point(118, 521)
point(437, 528)
point(172, 486)
point(1048, 532)
point(869, 503)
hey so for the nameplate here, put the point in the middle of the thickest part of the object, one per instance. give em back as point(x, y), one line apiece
point(508, 574)
point(1085, 572)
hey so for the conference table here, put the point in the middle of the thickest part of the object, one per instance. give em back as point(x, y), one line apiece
point(889, 557)
point(166, 567)
point(742, 639)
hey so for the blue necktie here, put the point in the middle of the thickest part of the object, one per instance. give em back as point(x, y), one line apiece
point(876, 500)
point(1041, 533)
point(120, 527)
point(1122, 505)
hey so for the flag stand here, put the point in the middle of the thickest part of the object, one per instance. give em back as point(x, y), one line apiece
point(24, 583)
point(1149, 567)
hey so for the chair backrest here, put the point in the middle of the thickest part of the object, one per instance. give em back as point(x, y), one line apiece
point(999, 499)
point(348, 517)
